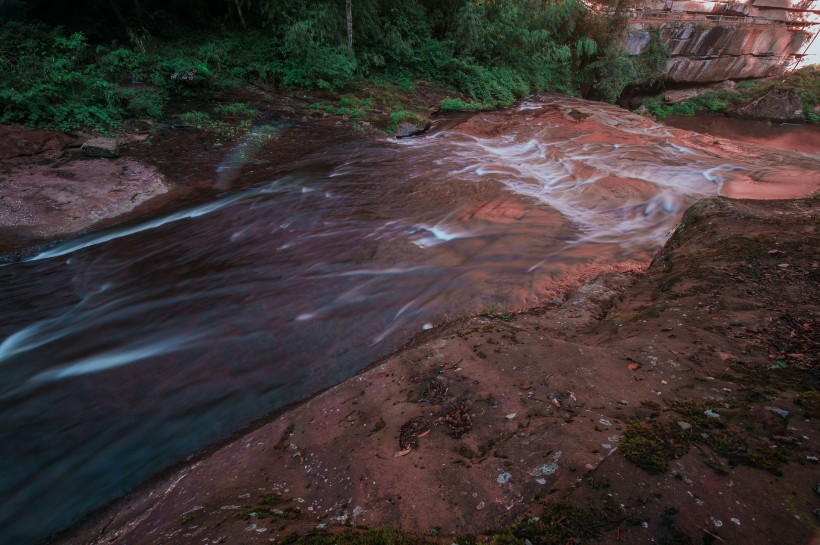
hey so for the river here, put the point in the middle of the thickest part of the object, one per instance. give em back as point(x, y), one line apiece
point(129, 349)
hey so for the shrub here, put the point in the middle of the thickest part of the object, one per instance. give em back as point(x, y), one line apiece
point(457, 105)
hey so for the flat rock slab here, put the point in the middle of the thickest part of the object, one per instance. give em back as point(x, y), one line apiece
point(101, 147)
point(17, 141)
point(41, 201)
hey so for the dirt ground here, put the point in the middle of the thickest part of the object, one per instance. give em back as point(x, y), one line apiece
point(677, 405)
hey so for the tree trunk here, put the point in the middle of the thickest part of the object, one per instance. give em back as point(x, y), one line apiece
point(239, 12)
point(349, 6)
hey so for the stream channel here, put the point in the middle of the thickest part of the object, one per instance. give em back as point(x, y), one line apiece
point(129, 349)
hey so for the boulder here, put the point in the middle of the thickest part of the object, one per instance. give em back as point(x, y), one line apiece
point(407, 130)
point(780, 105)
point(17, 141)
point(108, 148)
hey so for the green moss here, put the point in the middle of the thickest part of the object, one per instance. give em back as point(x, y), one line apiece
point(498, 312)
point(270, 499)
point(810, 401)
point(643, 445)
point(561, 522)
point(694, 412)
point(285, 439)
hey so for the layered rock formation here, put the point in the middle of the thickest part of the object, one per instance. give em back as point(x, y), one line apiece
point(715, 41)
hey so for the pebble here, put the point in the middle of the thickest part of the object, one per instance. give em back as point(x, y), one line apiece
point(685, 426)
point(711, 414)
point(779, 412)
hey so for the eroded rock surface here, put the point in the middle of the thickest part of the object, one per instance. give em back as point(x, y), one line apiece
point(41, 201)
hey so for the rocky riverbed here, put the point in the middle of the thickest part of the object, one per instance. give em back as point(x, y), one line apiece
point(556, 205)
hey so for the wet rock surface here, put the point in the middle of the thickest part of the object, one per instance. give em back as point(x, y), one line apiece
point(645, 396)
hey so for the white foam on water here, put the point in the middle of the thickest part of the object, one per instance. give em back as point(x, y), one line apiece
point(116, 358)
point(113, 234)
point(441, 234)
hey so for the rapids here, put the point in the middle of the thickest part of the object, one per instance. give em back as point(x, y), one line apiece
point(129, 349)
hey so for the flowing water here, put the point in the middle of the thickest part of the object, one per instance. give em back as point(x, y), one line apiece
point(127, 350)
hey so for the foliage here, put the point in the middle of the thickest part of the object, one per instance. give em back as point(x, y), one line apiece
point(196, 119)
point(457, 105)
point(616, 69)
point(147, 52)
point(713, 101)
point(236, 108)
point(46, 82)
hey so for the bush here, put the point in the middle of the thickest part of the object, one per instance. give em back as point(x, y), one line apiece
point(47, 83)
point(457, 105)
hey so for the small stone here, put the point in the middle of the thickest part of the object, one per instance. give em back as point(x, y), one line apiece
point(101, 147)
point(779, 412)
point(406, 130)
point(685, 425)
point(711, 414)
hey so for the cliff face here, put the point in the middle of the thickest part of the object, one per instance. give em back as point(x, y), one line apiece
point(715, 41)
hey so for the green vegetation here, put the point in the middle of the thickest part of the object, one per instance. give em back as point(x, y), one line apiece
point(804, 82)
point(497, 311)
point(651, 443)
point(133, 57)
point(458, 105)
point(715, 101)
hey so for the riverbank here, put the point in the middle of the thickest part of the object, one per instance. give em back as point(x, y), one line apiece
point(675, 405)
point(50, 190)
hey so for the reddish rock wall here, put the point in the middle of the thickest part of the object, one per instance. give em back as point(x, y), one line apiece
point(715, 41)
